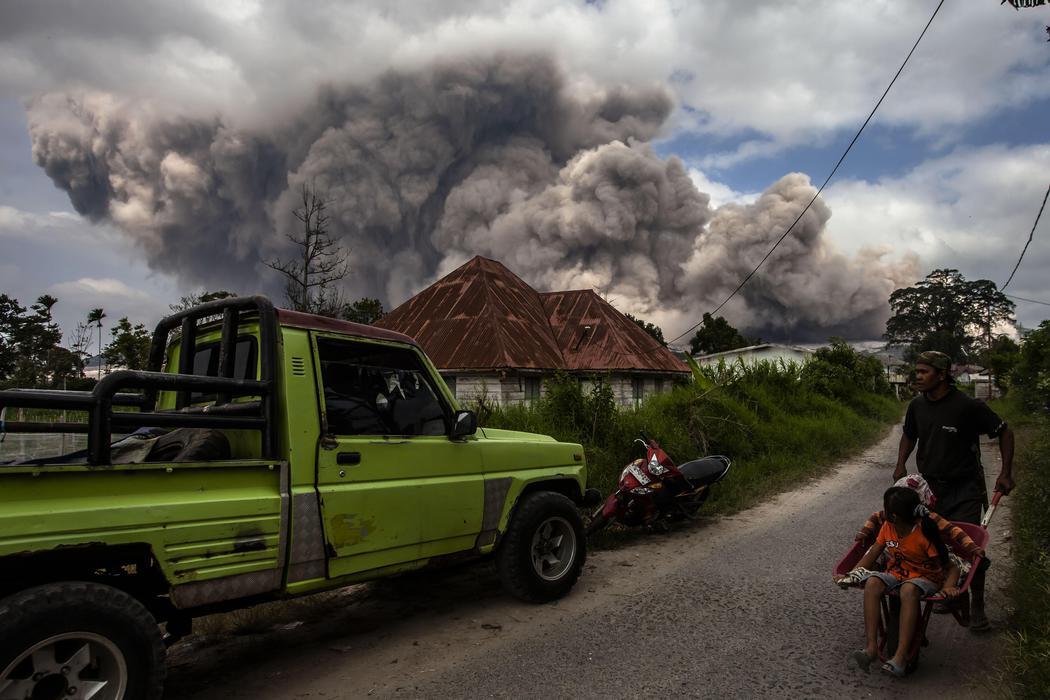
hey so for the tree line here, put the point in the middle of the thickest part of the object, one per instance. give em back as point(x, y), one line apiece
point(33, 354)
point(972, 321)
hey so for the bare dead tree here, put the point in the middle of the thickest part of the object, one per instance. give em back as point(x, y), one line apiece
point(310, 277)
point(80, 339)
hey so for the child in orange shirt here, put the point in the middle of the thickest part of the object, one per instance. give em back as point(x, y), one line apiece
point(951, 535)
point(918, 566)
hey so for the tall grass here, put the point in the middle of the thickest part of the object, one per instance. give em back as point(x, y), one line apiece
point(1026, 669)
point(780, 423)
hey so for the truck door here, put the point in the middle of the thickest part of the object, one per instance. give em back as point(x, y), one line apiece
point(393, 487)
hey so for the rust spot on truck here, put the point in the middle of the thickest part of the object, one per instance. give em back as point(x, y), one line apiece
point(79, 545)
point(249, 540)
point(249, 544)
point(349, 529)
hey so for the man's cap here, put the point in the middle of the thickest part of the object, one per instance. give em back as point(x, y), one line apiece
point(937, 360)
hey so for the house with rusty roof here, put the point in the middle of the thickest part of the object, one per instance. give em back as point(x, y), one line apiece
point(493, 336)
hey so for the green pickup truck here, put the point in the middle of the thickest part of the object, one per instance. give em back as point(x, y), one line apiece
point(265, 454)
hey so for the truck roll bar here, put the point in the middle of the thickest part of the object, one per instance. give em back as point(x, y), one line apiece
point(223, 413)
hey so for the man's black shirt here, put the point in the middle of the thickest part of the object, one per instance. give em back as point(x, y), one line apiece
point(948, 433)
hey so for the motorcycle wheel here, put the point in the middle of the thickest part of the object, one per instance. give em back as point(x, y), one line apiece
point(597, 523)
point(689, 507)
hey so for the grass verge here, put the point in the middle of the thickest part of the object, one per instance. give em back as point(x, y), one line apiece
point(1026, 667)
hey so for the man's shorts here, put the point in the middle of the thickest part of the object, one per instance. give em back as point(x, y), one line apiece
point(960, 500)
point(927, 586)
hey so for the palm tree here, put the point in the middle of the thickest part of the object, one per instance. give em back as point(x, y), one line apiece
point(43, 306)
point(47, 302)
point(95, 316)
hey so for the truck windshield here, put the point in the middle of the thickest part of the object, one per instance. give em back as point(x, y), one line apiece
point(375, 390)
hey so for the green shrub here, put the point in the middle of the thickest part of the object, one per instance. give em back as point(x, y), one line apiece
point(1031, 375)
point(841, 372)
point(1026, 668)
point(779, 422)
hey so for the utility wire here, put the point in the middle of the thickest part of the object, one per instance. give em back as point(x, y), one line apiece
point(830, 175)
point(1030, 235)
point(1030, 301)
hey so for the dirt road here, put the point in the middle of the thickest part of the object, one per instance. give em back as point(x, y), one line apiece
point(736, 606)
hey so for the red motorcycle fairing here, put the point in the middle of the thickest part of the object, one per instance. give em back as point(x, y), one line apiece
point(612, 505)
point(629, 479)
point(650, 488)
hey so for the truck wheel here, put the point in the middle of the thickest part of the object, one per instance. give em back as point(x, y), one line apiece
point(79, 640)
point(543, 550)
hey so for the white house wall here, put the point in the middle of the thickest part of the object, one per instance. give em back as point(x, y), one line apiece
point(761, 355)
point(511, 389)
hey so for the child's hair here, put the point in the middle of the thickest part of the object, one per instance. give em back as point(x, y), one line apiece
point(904, 505)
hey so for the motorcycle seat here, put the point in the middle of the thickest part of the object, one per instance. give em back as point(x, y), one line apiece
point(705, 471)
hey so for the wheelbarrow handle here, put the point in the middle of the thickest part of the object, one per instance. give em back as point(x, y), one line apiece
point(991, 509)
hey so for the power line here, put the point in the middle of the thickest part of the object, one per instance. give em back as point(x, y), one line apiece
point(1030, 235)
point(830, 175)
point(1030, 301)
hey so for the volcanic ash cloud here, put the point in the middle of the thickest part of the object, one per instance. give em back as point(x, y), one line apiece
point(422, 170)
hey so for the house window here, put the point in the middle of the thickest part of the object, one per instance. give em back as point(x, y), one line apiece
point(637, 388)
point(660, 386)
point(532, 388)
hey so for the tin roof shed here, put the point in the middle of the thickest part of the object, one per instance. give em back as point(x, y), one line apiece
point(482, 316)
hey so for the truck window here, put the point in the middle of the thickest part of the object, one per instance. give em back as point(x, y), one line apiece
point(206, 363)
point(376, 390)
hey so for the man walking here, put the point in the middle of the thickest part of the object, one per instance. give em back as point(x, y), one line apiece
point(947, 425)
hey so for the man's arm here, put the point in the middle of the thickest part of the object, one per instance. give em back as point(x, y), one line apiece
point(1005, 481)
point(903, 452)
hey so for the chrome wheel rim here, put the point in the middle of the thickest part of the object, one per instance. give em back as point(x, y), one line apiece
point(70, 666)
point(553, 548)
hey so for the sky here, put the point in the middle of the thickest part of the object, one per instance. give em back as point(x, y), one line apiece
point(950, 172)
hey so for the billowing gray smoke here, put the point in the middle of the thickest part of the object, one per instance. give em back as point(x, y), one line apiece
point(806, 290)
point(423, 170)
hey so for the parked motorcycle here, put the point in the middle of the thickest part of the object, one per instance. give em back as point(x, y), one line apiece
point(654, 491)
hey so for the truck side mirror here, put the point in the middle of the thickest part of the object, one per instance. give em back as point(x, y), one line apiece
point(463, 424)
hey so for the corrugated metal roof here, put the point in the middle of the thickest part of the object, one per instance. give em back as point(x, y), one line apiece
point(479, 316)
point(614, 342)
point(483, 316)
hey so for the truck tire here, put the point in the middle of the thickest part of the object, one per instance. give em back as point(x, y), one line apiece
point(543, 549)
point(78, 635)
point(190, 445)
